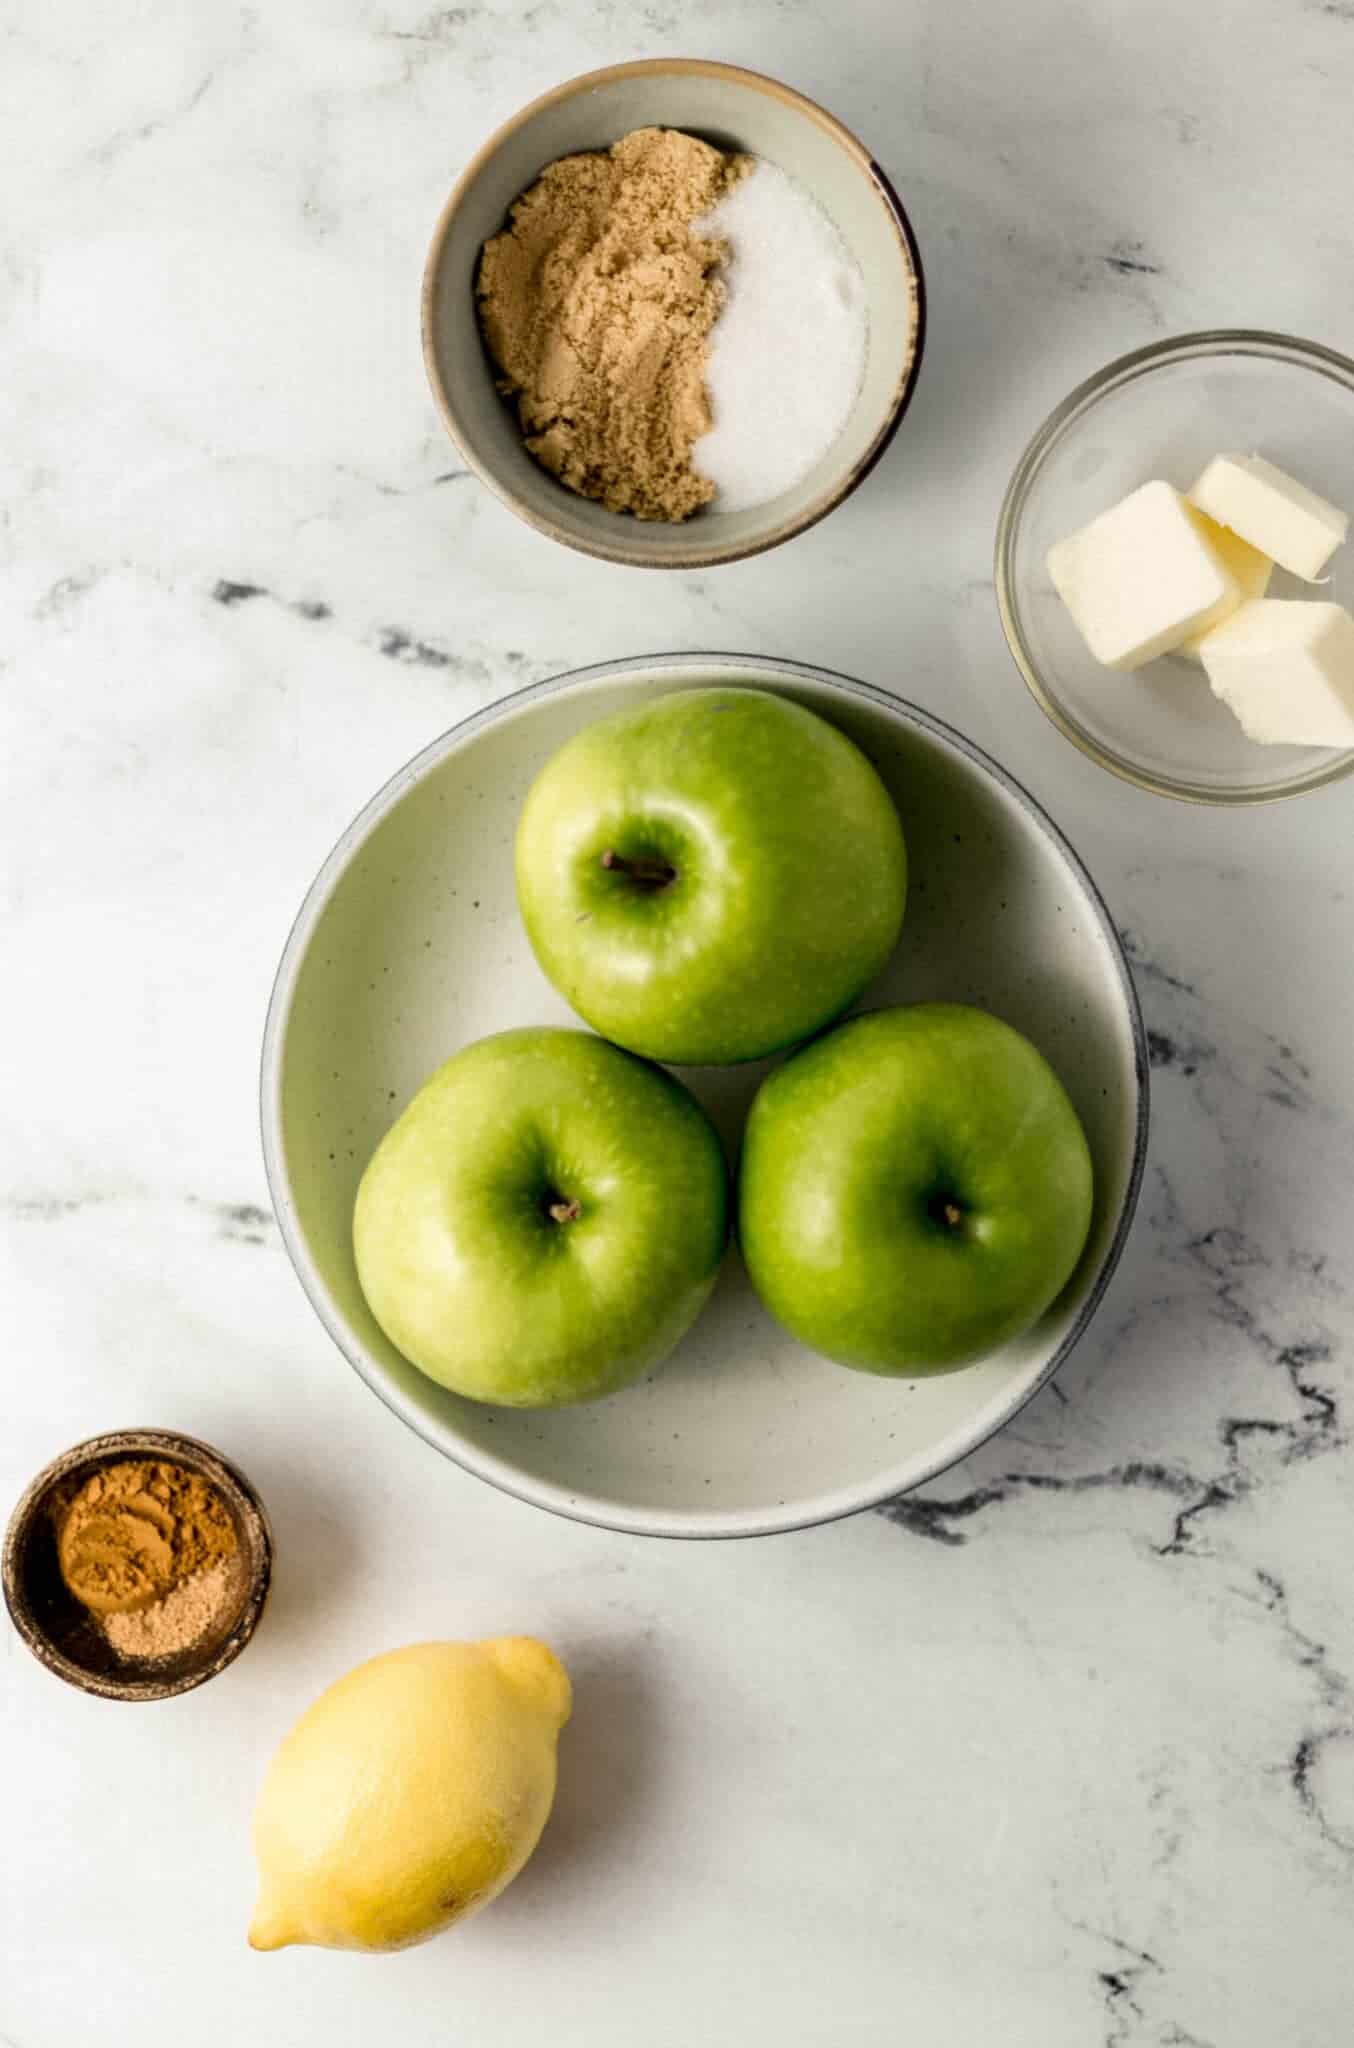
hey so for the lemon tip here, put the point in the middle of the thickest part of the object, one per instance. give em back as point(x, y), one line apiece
point(535, 1667)
point(269, 1931)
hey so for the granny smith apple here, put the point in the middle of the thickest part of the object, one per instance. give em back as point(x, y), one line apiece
point(711, 875)
point(544, 1221)
point(915, 1189)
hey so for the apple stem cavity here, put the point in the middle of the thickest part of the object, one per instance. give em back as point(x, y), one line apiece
point(944, 1210)
point(647, 873)
point(563, 1211)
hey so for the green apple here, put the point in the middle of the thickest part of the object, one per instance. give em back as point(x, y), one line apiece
point(710, 876)
point(544, 1221)
point(915, 1189)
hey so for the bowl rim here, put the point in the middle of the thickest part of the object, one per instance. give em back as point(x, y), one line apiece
point(596, 1509)
point(175, 1446)
point(1122, 370)
point(628, 548)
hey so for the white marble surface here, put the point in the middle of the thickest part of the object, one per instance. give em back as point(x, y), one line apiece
point(1061, 1753)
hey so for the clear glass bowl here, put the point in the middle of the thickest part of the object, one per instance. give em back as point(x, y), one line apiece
point(1163, 412)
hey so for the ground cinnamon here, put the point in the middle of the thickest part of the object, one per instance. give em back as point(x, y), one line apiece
point(150, 1549)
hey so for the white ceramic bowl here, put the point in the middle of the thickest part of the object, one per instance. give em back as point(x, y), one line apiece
point(735, 109)
point(409, 945)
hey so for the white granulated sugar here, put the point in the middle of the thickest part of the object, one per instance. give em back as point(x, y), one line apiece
point(787, 353)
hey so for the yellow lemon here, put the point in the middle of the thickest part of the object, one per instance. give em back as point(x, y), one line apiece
point(408, 1795)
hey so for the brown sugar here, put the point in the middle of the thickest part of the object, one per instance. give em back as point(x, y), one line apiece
point(596, 303)
point(150, 1549)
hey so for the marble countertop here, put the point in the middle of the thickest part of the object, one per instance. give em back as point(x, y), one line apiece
point(1059, 1752)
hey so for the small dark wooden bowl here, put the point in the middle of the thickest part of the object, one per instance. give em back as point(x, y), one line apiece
point(59, 1631)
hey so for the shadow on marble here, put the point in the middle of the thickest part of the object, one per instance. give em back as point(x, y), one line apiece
point(315, 1549)
point(608, 1771)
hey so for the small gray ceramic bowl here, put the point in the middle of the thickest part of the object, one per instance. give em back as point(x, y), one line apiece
point(734, 109)
point(409, 945)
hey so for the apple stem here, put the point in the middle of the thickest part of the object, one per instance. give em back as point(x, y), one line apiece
point(564, 1212)
point(944, 1211)
point(649, 874)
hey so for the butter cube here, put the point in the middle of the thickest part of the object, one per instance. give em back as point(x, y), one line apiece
point(1142, 577)
point(1286, 669)
point(1250, 570)
point(1274, 512)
